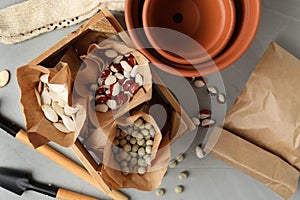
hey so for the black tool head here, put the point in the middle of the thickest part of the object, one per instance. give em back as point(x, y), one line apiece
point(14, 181)
point(18, 182)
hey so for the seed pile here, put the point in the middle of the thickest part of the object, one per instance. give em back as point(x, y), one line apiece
point(118, 83)
point(133, 147)
point(53, 100)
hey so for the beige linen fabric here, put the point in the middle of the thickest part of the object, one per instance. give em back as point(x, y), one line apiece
point(33, 17)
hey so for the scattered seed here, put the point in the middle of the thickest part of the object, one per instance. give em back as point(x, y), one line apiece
point(148, 125)
point(141, 151)
point(135, 148)
point(118, 158)
point(141, 142)
point(93, 87)
point(110, 80)
point(123, 142)
point(134, 71)
point(115, 90)
point(44, 78)
point(118, 59)
point(139, 79)
point(119, 76)
point(49, 113)
point(112, 104)
point(115, 149)
point(101, 108)
point(125, 171)
point(38, 97)
point(178, 189)
point(124, 163)
point(141, 170)
point(127, 147)
point(70, 110)
point(207, 123)
point(152, 132)
point(123, 155)
point(180, 158)
point(58, 88)
point(138, 122)
point(142, 162)
point(126, 74)
point(172, 164)
point(126, 66)
point(212, 91)
point(221, 98)
point(196, 121)
point(45, 97)
point(148, 149)
point(61, 127)
point(132, 141)
point(149, 142)
point(204, 114)
point(183, 175)
point(68, 122)
point(58, 109)
point(134, 161)
point(4, 78)
point(199, 83)
point(111, 53)
point(199, 152)
point(160, 192)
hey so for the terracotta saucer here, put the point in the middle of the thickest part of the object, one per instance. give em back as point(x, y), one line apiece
point(208, 23)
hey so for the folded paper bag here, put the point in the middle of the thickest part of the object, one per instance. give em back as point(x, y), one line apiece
point(39, 128)
point(264, 123)
point(256, 162)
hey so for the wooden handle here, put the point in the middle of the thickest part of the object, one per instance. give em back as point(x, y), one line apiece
point(90, 164)
point(68, 164)
point(63, 194)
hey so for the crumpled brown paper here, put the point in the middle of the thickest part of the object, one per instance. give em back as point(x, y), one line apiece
point(264, 124)
point(160, 158)
point(40, 130)
point(89, 75)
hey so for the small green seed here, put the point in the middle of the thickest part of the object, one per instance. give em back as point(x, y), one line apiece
point(180, 158)
point(183, 175)
point(172, 163)
point(160, 192)
point(178, 189)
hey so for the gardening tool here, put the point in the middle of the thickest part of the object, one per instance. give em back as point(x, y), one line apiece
point(61, 159)
point(18, 182)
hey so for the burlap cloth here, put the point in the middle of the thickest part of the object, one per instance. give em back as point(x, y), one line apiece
point(34, 17)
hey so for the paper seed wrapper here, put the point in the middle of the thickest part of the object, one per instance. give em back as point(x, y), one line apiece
point(160, 157)
point(263, 124)
point(95, 65)
point(40, 130)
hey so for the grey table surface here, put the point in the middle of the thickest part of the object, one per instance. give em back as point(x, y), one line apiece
point(210, 178)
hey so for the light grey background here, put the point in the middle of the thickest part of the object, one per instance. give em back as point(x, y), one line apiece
point(210, 178)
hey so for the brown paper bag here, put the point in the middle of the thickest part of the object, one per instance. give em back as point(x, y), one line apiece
point(264, 123)
point(160, 157)
point(36, 123)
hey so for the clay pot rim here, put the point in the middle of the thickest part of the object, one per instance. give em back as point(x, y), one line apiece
point(225, 59)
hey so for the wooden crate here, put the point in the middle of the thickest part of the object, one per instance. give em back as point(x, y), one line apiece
point(105, 25)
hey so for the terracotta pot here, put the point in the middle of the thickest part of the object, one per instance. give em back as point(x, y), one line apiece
point(247, 21)
point(208, 23)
